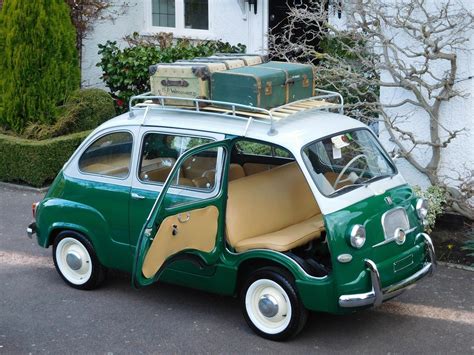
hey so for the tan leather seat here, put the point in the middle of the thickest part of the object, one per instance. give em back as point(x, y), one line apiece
point(274, 209)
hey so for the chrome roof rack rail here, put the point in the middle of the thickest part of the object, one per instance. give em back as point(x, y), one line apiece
point(234, 110)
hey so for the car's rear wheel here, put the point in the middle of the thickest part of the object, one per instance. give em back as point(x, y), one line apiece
point(271, 305)
point(76, 261)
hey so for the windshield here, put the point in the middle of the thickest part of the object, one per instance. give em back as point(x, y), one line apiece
point(346, 161)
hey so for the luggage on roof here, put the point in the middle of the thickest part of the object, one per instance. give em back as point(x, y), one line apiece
point(299, 79)
point(253, 86)
point(185, 79)
point(230, 63)
point(249, 60)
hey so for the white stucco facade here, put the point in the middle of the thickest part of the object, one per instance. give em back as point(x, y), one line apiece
point(229, 20)
point(234, 22)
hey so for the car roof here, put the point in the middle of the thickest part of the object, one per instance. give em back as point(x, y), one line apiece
point(292, 132)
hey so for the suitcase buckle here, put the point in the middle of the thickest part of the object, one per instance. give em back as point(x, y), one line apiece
point(268, 88)
point(305, 81)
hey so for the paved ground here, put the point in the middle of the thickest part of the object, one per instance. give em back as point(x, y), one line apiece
point(39, 313)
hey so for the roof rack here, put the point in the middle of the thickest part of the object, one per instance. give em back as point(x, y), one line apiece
point(237, 111)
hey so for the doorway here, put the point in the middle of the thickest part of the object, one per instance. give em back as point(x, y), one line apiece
point(278, 20)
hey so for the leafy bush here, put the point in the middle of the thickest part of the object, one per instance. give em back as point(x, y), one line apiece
point(84, 110)
point(35, 163)
point(39, 65)
point(125, 71)
point(436, 197)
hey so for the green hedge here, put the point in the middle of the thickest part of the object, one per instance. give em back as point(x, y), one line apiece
point(35, 163)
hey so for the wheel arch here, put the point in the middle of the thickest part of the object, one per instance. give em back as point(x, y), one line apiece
point(249, 265)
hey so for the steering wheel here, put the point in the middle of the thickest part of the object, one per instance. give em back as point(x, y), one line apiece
point(352, 161)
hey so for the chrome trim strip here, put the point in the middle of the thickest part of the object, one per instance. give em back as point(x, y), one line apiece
point(392, 239)
point(377, 295)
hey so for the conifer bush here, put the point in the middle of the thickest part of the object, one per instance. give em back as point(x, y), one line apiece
point(39, 65)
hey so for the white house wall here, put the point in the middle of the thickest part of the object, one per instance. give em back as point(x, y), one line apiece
point(228, 22)
point(456, 114)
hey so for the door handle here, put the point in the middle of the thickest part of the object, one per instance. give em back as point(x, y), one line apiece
point(136, 196)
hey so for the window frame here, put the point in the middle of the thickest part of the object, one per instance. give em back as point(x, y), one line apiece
point(94, 140)
point(179, 30)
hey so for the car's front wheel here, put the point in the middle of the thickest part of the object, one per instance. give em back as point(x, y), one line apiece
point(76, 261)
point(271, 305)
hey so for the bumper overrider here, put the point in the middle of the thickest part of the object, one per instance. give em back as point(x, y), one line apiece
point(379, 294)
point(31, 230)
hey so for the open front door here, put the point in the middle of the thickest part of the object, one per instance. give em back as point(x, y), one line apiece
point(187, 218)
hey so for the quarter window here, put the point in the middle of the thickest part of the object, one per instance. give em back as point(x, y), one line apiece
point(254, 148)
point(109, 155)
point(160, 152)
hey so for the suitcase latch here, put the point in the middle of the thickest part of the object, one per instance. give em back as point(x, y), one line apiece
point(268, 88)
point(305, 81)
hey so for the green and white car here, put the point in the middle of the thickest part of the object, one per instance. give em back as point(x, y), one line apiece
point(293, 209)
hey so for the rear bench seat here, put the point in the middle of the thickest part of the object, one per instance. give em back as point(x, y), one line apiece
point(274, 210)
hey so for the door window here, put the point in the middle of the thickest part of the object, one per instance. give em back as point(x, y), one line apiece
point(109, 155)
point(160, 152)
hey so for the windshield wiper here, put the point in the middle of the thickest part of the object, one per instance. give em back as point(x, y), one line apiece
point(378, 177)
point(346, 187)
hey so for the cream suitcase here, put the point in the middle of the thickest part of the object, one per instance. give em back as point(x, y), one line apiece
point(184, 79)
point(230, 63)
point(249, 59)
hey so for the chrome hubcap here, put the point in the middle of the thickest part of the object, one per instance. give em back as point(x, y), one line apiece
point(268, 306)
point(74, 260)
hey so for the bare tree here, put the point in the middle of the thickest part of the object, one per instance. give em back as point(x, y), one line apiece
point(84, 13)
point(408, 45)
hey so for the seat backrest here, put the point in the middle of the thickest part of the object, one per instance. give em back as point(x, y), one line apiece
point(267, 202)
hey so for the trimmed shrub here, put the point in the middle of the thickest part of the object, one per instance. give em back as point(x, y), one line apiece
point(84, 110)
point(35, 163)
point(39, 65)
point(125, 71)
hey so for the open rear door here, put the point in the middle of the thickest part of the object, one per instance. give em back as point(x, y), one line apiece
point(187, 219)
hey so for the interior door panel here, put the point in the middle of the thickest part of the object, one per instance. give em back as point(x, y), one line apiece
point(195, 229)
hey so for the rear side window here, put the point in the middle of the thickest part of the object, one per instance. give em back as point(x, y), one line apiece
point(109, 155)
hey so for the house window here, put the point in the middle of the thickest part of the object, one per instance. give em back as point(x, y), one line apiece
point(196, 14)
point(183, 16)
point(163, 12)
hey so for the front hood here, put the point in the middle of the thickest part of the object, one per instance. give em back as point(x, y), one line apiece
point(369, 213)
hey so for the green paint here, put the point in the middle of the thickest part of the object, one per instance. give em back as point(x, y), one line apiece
point(86, 207)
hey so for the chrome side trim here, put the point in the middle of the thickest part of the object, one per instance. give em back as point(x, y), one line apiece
point(377, 295)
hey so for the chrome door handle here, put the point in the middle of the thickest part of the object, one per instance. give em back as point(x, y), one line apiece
point(137, 196)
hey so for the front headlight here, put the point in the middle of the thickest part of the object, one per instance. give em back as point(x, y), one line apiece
point(422, 208)
point(357, 236)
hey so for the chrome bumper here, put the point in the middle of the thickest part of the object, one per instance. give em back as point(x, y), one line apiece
point(31, 230)
point(378, 295)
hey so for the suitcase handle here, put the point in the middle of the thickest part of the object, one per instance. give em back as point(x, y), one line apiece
point(182, 83)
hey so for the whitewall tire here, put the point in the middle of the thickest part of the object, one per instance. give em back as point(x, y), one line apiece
point(271, 305)
point(76, 261)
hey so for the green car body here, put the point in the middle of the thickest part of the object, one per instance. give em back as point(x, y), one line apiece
point(118, 227)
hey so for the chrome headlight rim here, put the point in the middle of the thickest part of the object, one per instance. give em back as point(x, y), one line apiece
point(357, 236)
point(422, 208)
